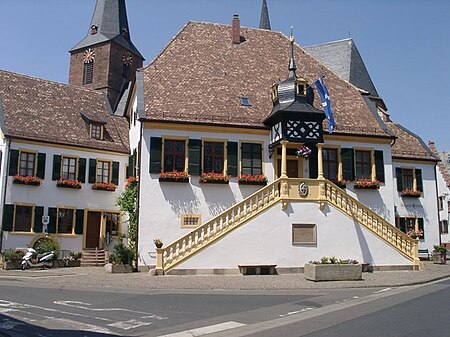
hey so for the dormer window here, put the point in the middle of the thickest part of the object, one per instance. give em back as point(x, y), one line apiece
point(245, 101)
point(97, 131)
point(94, 29)
point(274, 92)
point(300, 87)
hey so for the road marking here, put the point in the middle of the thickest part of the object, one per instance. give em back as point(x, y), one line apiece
point(130, 324)
point(382, 290)
point(206, 329)
point(296, 312)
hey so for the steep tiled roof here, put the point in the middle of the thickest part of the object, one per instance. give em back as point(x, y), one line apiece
point(343, 57)
point(441, 165)
point(41, 110)
point(408, 145)
point(201, 74)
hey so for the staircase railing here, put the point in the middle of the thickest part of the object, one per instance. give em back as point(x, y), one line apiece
point(212, 230)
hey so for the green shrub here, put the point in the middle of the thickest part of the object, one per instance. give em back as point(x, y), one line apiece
point(121, 253)
point(47, 244)
point(74, 256)
point(12, 255)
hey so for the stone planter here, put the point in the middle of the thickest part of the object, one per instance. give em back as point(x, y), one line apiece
point(118, 268)
point(72, 263)
point(8, 265)
point(333, 272)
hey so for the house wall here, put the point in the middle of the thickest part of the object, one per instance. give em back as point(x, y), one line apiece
point(424, 207)
point(444, 192)
point(49, 195)
point(267, 239)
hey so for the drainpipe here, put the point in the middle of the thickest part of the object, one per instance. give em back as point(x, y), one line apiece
point(437, 199)
point(138, 193)
point(5, 182)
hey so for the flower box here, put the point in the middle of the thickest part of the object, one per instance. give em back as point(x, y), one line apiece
point(26, 180)
point(411, 194)
point(415, 234)
point(333, 272)
point(175, 177)
point(367, 184)
point(104, 187)
point(214, 178)
point(249, 179)
point(340, 183)
point(11, 265)
point(118, 268)
point(68, 183)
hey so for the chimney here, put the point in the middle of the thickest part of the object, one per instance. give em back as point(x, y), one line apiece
point(236, 29)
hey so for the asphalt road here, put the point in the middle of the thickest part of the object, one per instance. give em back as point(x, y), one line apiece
point(64, 312)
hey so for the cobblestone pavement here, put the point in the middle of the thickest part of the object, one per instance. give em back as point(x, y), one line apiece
point(96, 277)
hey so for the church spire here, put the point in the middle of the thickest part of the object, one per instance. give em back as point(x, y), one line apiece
point(292, 66)
point(264, 23)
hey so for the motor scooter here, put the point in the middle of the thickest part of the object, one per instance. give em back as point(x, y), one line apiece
point(33, 259)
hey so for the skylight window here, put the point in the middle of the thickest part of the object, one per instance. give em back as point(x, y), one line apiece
point(245, 101)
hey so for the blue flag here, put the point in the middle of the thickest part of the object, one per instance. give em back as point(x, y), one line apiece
point(325, 98)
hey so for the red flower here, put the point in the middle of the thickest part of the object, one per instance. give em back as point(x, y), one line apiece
point(27, 180)
point(131, 182)
point(260, 178)
point(214, 177)
point(68, 182)
point(104, 186)
point(367, 183)
point(174, 175)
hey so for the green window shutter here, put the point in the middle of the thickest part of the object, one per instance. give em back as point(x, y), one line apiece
point(348, 164)
point(419, 180)
point(13, 162)
point(92, 170)
point(130, 170)
point(115, 173)
point(79, 221)
point(52, 213)
point(155, 154)
point(420, 221)
point(8, 218)
point(313, 164)
point(195, 156)
point(40, 172)
point(399, 176)
point(232, 158)
point(81, 170)
point(56, 175)
point(379, 165)
point(38, 213)
point(403, 225)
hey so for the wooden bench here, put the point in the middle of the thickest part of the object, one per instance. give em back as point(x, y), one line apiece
point(258, 269)
point(424, 254)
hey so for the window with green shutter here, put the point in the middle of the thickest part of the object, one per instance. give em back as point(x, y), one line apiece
point(347, 164)
point(79, 221)
point(8, 217)
point(155, 154)
point(13, 162)
point(81, 170)
point(232, 158)
point(251, 158)
point(38, 213)
point(194, 156)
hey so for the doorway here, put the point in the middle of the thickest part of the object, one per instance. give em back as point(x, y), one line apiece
point(294, 167)
point(93, 225)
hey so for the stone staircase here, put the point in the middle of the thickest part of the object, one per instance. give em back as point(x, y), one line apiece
point(93, 257)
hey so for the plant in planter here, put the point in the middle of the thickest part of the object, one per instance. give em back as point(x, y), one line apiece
point(158, 243)
point(411, 193)
point(104, 186)
point(303, 151)
point(367, 184)
point(342, 183)
point(12, 258)
point(330, 268)
point(440, 254)
point(415, 234)
point(250, 179)
point(214, 178)
point(174, 176)
point(48, 244)
point(121, 258)
point(68, 183)
point(26, 180)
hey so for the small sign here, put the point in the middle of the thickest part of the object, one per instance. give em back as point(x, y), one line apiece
point(45, 219)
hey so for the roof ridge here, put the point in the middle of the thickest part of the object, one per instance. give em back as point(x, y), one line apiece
point(330, 42)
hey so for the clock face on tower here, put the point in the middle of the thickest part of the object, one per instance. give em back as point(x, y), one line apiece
point(89, 56)
point(127, 59)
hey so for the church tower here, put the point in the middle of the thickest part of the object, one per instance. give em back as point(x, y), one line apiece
point(106, 59)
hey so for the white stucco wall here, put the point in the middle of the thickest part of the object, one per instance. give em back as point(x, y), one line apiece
point(267, 239)
point(424, 207)
point(49, 195)
point(444, 192)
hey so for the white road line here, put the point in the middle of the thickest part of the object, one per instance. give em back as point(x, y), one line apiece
point(130, 324)
point(206, 330)
point(382, 290)
point(296, 312)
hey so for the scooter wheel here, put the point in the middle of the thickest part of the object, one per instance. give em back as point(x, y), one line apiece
point(50, 264)
point(24, 266)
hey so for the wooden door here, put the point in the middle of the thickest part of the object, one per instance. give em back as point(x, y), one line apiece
point(293, 168)
point(94, 220)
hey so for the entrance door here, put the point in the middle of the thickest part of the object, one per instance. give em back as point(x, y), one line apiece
point(94, 220)
point(292, 168)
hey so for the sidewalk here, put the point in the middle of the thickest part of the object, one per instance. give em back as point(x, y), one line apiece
point(96, 277)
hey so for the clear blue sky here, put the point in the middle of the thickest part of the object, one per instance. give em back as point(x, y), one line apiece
point(405, 44)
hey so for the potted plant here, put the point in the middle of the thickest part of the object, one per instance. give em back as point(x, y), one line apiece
point(440, 254)
point(174, 176)
point(415, 234)
point(26, 180)
point(411, 193)
point(68, 183)
point(12, 259)
point(214, 178)
point(330, 268)
point(303, 151)
point(367, 184)
point(73, 260)
point(158, 243)
point(121, 259)
point(104, 186)
point(252, 179)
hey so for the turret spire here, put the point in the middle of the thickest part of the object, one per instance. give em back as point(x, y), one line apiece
point(264, 23)
point(292, 66)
